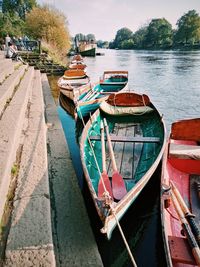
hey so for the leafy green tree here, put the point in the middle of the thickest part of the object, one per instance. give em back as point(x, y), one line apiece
point(20, 7)
point(139, 37)
point(90, 37)
point(80, 37)
point(122, 35)
point(188, 28)
point(127, 44)
point(11, 24)
point(159, 33)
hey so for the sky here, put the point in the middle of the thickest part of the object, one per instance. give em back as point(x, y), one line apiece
point(104, 18)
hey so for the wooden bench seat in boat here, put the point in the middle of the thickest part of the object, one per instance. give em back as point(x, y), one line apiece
point(184, 151)
point(180, 250)
point(135, 139)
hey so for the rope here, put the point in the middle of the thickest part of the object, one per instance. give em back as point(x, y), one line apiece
point(124, 238)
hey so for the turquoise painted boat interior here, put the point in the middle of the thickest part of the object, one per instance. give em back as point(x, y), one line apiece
point(99, 89)
point(150, 126)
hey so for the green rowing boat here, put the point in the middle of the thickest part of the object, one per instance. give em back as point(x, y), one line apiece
point(116, 179)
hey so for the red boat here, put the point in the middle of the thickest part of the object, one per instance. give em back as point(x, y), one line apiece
point(180, 194)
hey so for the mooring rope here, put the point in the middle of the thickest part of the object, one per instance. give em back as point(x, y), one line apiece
point(124, 238)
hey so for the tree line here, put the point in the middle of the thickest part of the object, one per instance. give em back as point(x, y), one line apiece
point(159, 34)
point(45, 23)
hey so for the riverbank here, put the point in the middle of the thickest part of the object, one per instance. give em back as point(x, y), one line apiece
point(47, 224)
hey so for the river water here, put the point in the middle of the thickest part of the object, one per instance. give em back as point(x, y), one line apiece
point(172, 81)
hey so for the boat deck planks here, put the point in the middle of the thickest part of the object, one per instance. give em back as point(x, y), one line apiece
point(137, 149)
point(125, 152)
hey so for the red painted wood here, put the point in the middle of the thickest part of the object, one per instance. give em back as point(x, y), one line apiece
point(180, 250)
point(179, 170)
point(186, 130)
point(128, 99)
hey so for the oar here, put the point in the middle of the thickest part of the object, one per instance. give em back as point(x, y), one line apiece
point(188, 215)
point(104, 182)
point(118, 185)
point(187, 230)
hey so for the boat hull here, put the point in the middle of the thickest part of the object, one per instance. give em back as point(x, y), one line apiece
point(145, 156)
point(74, 88)
point(181, 170)
point(88, 53)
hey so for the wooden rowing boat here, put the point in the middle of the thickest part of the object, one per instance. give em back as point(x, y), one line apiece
point(138, 142)
point(67, 104)
point(77, 58)
point(112, 81)
point(181, 173)
point(77, 65)
point(74, 83)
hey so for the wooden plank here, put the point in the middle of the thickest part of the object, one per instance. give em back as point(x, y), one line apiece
point(186, 130)
point(136, 139)
point(180, 250)
point(127, 160)
point(194, 196)
point(137, 149)
point(118, 148)
point(184, 151)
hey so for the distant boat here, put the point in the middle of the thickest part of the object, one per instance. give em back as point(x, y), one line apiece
point(77, 65)
point(87, 48)
point(138, 142)
point(77, 58)
point(180, 194)
point(111, 82)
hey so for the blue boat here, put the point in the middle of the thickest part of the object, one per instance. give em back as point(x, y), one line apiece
point(111, 82)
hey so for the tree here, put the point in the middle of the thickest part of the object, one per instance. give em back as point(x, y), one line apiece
point(49, 25)
point(11, 25)
point(139, 37)
point(80, 37)
point(188, 28)
point(20, 7)
point(159, 33)
point(122, 35)
point(90, 37)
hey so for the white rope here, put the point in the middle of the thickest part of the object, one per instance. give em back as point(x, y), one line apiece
point(124, 239)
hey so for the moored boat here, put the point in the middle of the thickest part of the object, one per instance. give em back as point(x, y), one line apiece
point(77, 58)
point(74, 83)
point(112, 82)
point(135, 144)
point(77, 65)
point(180, 194)
point(87, 48)
point(67, 104)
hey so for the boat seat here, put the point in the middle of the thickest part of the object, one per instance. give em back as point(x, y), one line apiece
point(136, 139)
point(184, 151)
point(180, 250)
